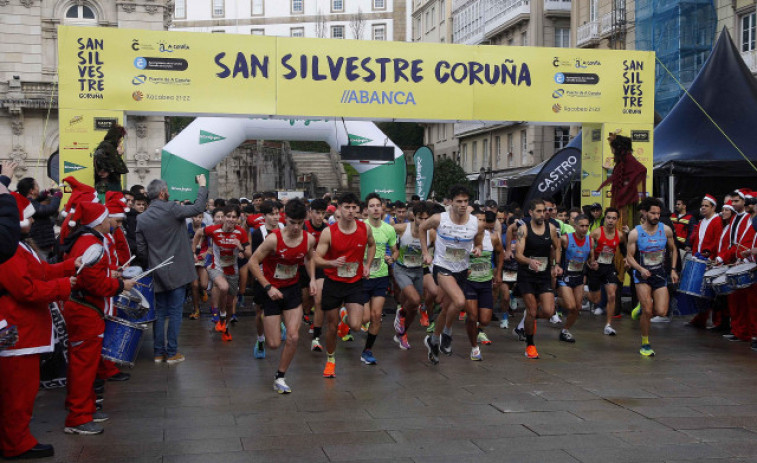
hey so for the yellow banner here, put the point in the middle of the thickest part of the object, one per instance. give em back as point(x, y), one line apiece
point(144, 71)
point(592, 173)
point(81, 132)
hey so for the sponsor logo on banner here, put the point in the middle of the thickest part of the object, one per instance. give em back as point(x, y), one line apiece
point(596, 193)
point(358, 140)
point(137, 95)
point(556, 108)
point(209, 137)
point(558, 93)
point(596, 135)
point(160, 64)
point(105, 123)
point(584, 174)
point(77, 146)
point(378, 98)
point(576, 78)
point(585, 193)
point(640, 135)
point(69, 167)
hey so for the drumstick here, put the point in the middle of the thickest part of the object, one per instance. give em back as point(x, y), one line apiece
point(127, 262)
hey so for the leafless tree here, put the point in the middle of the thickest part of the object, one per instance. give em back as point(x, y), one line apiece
point(357, 24)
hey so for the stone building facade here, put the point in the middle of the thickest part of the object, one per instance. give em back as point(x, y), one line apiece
point(28, 80)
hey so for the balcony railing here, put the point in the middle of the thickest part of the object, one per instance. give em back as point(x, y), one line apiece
point(750, 58)
point(587, 34)
point(477, 20)
point(556, 6)
point(608, 23)
point(499, 13)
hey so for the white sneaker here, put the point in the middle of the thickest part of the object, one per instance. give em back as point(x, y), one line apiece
point(660, 320)
point(598, 311)
point(555, 319)
point(586, 305)
point(504, 324)
point(280, 386)
point(609, 331)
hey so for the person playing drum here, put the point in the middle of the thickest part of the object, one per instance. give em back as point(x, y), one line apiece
point(704, 243)
point(602, 271)
point(84, 313)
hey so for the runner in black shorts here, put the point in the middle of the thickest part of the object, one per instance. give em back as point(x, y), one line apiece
point(602, 273)
point(577, 251)
point(537, 242)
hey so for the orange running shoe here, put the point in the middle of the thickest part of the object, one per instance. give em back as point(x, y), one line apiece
point(330, 370)
point(226, 336)
point(204, 296)
point(343, 315)
point(195, 315)
point(531, 352)
point(424, 318)
point(221, 326)
point(462, 315)
point(342, 330)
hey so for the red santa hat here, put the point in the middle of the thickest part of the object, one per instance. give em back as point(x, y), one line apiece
point(729, 206)
point(81, 193)
point(748, 193)
point(25, 208)
point(711, 199)
point(116, 204)
point(90, 214)
point(741, 192)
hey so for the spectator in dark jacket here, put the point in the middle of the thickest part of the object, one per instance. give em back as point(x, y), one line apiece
point(10, 228)
point(46, 205)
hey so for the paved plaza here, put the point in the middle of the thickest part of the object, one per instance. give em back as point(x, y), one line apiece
point(594, 401)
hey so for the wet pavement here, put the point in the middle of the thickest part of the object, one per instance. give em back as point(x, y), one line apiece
point(596, 400)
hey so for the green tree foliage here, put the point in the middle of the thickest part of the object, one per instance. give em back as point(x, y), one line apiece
point(446, 174)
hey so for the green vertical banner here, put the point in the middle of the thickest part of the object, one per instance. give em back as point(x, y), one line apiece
point(180, 175)
point(388, 180)
point(424, 171)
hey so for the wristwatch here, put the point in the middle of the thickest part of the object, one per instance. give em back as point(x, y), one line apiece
point(267, 287)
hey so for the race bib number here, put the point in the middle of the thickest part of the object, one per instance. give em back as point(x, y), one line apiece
point(455, 255)
point(510, 275)
point(606, 257)
point(285, 272)
point(480, 270)
point(575, 266)
point(348, 270)
point(227, 261)
point(542, 263)
point(376, 264)
point(413, 260)
point(652, 259)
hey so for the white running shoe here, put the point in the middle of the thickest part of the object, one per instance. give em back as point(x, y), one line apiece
point(609, 331)
point(659, 320)
point(504, 324)
point(280, 386)
point(598, 311)
point(555, 319)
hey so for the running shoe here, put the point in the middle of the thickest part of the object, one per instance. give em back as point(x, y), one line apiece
point(100, 417)
point(565, 336)
point(433, 349)
point(330, 370)
point(226, 336)
point(343, 315)
point(754, 344)
point(598, 311)
point(475, 354)
point(520, 333)
point(280, 386)
point(531, 352)
point(195, 315)
point(431, 327)
point(646, 350)
point(462, 315)
point(348, 337)
point(586, 305)
point(178, 358)
point(483, 338)
point(424, 318)
point(259, 350)
point(368, 358)
point(310, 329)
point(216, 316)
point(364, 327)
point(234, 319)
point(555, 319)
point(283, 332)
point(659, 319)
point(505, 323)
point(402, 341)
point(221, 326)
point(618, 316)
point(342, 330)
point(160, 358)
point(315, 345)
point(399, 323)
point(636, 312)
point(609, 331)
point(204, 296)
point(86, 429)
point(306, 319)
point(731, 337)
point(446, 344)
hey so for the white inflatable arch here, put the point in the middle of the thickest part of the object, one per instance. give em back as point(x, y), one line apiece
point(208, 140)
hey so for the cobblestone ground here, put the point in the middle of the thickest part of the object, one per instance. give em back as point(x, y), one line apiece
point(596, 400)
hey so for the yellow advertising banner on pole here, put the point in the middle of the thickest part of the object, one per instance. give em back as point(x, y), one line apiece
point(81, 132)
point(592, 173)
point(143, 72)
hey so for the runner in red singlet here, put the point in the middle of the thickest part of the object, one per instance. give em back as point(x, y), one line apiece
point(282, 253)
point(602, 271)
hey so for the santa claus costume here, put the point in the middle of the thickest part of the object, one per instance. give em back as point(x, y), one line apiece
point(704, 245)
point(28, 285)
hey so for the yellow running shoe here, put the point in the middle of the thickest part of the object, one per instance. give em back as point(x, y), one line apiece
point(636, 312)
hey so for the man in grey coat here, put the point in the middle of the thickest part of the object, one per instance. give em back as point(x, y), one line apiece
point(162, 233)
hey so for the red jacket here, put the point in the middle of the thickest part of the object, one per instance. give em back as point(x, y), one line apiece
point(122, 246)
point(709, 245)
point(95, 286)
point(744, 239)
point(28, 286)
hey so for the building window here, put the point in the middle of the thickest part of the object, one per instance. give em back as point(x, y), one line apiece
point(524, 147)
point(337, 5)
point(218, 8)
point(179, 9)
point(298, 6)
point(562, 137)
point(418, 31)
point(562, 37)
point(257, 8)
point(510, 149)
point(428, 21)
point(464, 155)
point(297, 32)
point(524, 38)
point(748, 32)
point(257, 31)
point(433, 16)
point(80, 13)
point(337, 32)
point(485, 153)
point(498, 150)
point(379, 4)
point(474, 155)
point(379, 32)
point(593, 14)
point(442, 11)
